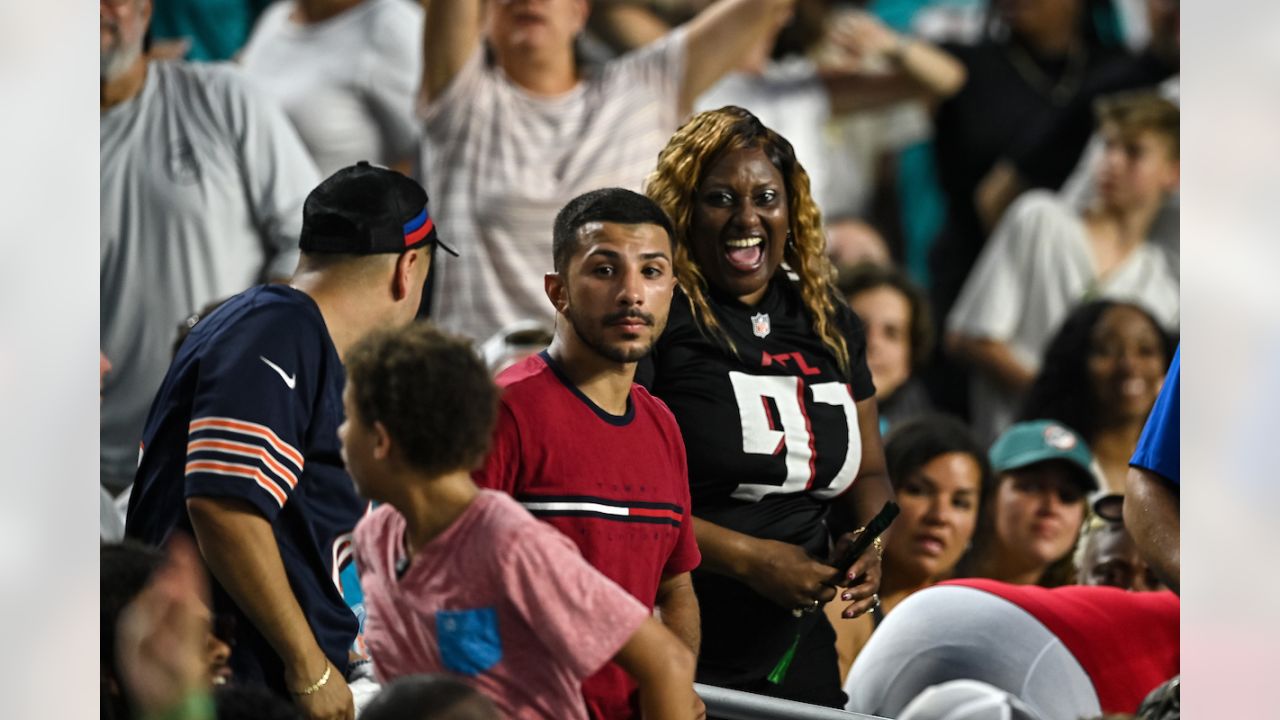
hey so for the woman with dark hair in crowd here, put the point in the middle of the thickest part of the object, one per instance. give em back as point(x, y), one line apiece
point(1101, 375)
point(1031, 519)
point(765, 370)
point(899, 337)
point(940, 475)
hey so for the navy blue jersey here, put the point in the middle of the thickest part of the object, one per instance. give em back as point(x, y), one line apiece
point(772, 435)
point(250, 409)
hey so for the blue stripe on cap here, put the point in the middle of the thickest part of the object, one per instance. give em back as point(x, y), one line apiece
point(416, 223)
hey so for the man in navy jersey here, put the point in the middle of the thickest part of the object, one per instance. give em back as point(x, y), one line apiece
point(241, 446)
point(583, 447)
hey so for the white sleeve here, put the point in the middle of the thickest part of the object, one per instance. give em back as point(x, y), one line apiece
point(658, 68)
point(991, 302)
point(277, 170)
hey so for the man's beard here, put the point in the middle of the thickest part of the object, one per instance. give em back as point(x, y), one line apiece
point(592, 335)
point(116, 60)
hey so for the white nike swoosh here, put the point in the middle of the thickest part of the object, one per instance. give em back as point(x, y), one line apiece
point(289, 380)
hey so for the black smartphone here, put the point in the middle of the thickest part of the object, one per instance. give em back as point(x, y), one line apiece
point(878, 525)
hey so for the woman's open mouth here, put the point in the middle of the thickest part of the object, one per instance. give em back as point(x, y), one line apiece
point(745, 255)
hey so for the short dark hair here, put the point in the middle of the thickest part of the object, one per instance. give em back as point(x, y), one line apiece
point(125, 569)
point(913, 444)
point(429, 697)
point(615, 205)
point(870, 276)
point(431, 392)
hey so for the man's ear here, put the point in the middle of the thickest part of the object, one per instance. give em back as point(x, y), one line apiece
point(557, 291)
point(381, 441)
point(407, 267)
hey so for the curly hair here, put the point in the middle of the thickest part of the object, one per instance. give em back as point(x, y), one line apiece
point(430, 390)
point(1059, 390)
point(682, 167)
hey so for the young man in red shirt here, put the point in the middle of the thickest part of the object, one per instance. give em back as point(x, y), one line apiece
point(583, 447)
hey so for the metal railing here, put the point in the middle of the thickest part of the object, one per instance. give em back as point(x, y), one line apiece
point(737, 705)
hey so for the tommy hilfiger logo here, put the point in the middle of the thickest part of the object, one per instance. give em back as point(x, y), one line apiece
point(587, 506)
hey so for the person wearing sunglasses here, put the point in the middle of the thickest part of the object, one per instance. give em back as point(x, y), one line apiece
point(1044, 471)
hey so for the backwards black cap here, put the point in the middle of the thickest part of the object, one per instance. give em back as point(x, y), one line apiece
point(364, 209)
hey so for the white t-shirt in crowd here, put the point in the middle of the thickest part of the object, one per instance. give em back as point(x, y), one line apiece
point(347, 83)
point(203, 182)
point(1080, 188)
point(1036, 268)
point(790, 99)
point(500, 162)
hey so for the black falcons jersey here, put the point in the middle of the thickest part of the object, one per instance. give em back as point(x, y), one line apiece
point(771, 433)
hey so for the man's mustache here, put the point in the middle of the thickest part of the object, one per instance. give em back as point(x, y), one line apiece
point(621, 315)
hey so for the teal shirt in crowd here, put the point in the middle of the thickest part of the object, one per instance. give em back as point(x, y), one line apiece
point(217, 29)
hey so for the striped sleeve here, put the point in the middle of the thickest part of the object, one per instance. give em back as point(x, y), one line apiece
point(251, 413)
point(225, 447)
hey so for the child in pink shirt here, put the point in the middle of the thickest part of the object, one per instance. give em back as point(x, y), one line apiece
point(463, 580)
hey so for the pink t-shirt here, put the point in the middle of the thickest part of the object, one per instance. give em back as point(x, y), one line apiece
point(499, 598)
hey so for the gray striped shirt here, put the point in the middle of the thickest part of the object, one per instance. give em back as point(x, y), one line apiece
point(501, 162)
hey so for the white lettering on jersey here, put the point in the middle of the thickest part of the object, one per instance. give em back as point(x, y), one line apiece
point(836, 393)
point(795, 436)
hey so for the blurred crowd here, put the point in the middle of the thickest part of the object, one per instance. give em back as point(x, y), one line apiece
point(539, 358)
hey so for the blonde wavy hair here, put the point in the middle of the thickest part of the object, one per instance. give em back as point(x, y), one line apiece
point(682, 167)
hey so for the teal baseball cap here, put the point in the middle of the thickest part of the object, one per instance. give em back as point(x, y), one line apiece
point(1036, 441)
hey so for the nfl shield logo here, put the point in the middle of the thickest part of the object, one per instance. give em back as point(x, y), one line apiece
point(760, 324)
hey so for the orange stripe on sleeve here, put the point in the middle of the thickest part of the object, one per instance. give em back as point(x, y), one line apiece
point(245, 471)
point(248, 428)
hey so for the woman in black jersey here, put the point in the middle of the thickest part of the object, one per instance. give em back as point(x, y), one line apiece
point(765, 370)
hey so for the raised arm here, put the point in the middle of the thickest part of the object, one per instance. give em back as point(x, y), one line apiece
point(626, 25)
point(451, 32)
point(241, 552)
point(914, 69)
point(721, 35)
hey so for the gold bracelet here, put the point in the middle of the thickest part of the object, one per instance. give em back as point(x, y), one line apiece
point(324, 679)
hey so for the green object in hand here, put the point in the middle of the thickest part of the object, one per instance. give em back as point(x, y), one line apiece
point(779, 672)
